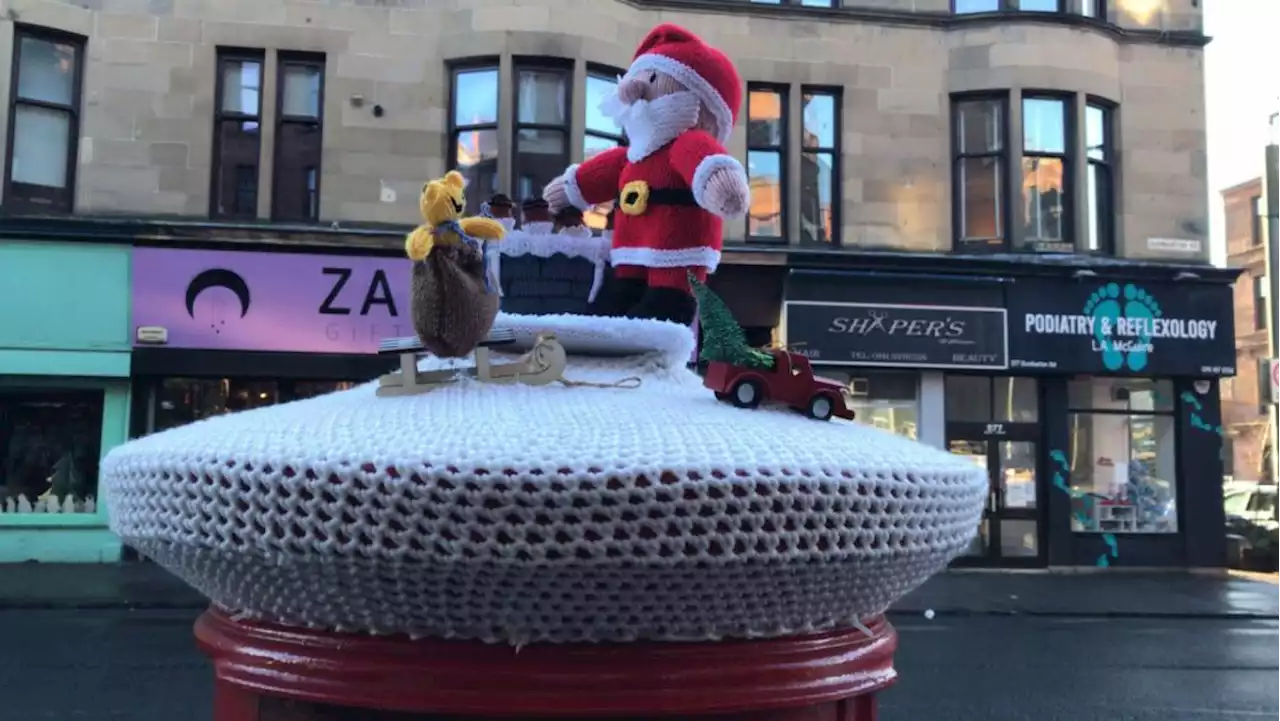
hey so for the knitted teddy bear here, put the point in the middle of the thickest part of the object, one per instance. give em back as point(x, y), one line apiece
point(452, 296)
point(674, 183)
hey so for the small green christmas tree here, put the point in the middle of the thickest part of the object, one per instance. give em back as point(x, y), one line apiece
point(722, 337)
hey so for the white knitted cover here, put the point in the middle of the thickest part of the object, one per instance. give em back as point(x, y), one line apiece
point(559, 513)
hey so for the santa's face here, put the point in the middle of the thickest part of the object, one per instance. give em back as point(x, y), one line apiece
point(653, 109)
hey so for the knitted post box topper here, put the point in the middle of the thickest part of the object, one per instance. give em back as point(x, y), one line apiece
point(453, 302)
point(674, 182)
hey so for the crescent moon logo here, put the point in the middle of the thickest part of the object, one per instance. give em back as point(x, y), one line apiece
point(217, 278)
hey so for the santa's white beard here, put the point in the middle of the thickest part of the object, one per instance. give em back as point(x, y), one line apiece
point(651, 124)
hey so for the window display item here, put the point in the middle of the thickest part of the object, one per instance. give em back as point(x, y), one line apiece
point(674, 182)
point(521, 514)
point(453, 296)
point(536, 216)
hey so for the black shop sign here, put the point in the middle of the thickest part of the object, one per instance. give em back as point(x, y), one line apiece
point(1123, 328)
point(901, 336)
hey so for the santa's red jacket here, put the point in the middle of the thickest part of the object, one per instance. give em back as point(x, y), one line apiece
point(659, 222)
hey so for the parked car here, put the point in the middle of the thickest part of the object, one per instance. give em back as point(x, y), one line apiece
point(790, 382)
point(1251, 525)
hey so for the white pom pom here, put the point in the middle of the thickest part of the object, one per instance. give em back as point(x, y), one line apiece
point(929, 614)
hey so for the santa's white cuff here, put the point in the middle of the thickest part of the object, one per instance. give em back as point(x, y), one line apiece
point(572, 190)
point(702, 174)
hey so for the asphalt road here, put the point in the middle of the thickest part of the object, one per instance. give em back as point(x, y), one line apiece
point(99, 665)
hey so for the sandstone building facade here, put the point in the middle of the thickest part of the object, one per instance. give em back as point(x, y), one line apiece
point(204, 203)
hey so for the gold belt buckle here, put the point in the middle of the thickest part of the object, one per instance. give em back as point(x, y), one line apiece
point(634, 199)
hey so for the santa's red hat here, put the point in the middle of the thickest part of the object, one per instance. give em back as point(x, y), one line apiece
point(706, 71)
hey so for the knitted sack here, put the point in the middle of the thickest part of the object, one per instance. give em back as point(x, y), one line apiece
point(452, 310)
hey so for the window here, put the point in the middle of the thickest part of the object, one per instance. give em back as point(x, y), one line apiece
point(803, 3)
point(179, 401)
point(820, 167)
point(44, 121)
point(600, 134)
point(978, 137)
point(887, 400)
point(50, 443)
point(1123, 456)
point(981, 399)
point(542, 128)
point(299, 131)
point(1255, 220)
point(473, 132)
point(766, 160)
point(1259, 302)
point(237, 139)
point(964, 7)
point(1100, 187)
point(1045, 190)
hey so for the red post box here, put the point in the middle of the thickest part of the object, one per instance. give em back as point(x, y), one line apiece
point(274, 673)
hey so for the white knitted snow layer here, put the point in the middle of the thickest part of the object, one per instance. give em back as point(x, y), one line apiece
point(525, 514)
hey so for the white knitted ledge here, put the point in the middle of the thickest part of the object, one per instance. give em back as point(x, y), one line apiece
point(524, 514)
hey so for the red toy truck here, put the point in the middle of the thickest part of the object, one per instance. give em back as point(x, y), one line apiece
point(790, 382)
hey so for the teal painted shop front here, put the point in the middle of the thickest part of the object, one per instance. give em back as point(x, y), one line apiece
point(64, 395)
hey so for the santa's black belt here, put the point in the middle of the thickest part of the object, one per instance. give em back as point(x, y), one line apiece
point(659, 196)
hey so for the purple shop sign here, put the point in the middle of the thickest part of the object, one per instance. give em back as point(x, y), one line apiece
point(271, 301)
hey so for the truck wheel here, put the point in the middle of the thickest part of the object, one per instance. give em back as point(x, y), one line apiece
point(821, 407)
point(746, 394)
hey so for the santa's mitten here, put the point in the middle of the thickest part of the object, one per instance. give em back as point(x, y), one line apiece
point(727, 192)
point(557, 195)
point(671, 304)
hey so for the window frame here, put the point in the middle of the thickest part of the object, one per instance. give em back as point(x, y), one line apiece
point(1012, 6)
point(783, 91)
point(1004, 213)
point(1255, 221)
point(29, 197)
point(1259, 291)
point(796, 3)
point(1168, 410)
point(453, 130)
point(835, 152)
point(223, 55)
point(1106, 221)
point(304, 59)
point(601, 72)
point(1094, 9)
point(1069, 235)
point(545, 64)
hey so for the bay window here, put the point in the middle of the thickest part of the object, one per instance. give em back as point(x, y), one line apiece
point(1045, 174)
point(600, 133)
point(978, 140)
point(820, 166)
point(1100, 214)
point(541, 129)
point(473, 131)
point(766, 161)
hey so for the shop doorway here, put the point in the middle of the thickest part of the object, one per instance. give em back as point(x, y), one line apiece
point(993, 421)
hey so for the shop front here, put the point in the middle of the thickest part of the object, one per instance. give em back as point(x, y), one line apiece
point(1091, 403)
point(219, 331)
point(64, 396)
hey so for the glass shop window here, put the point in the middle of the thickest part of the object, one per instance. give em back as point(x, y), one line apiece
point(982, 399)
point(1123, 456)
point(311, 389)
point(185, 400)
point(50, 445)
point(887, 400)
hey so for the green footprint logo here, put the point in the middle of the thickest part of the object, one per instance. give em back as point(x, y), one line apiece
point(1061, 469)
point(1138, 304)
point(1104, 307)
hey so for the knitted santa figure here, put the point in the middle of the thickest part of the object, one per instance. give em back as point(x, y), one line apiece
point(674, 183)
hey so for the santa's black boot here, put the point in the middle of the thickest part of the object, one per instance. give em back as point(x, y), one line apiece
point(618, 295)
point(670, 304)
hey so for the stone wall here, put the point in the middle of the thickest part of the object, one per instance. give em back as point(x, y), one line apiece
point(146, 132)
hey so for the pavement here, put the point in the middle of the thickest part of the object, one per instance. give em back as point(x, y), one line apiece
point(1111, 593)
point(141, 664)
